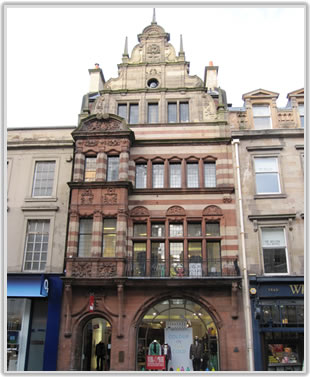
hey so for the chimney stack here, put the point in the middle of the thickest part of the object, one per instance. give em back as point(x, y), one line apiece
point(96, 79)
point(210, 81)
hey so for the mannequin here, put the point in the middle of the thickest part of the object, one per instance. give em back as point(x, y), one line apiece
point(154, 348)
point(166, 351)
point(196, 353)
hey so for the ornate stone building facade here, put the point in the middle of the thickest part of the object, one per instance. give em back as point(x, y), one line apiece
point(152, 249)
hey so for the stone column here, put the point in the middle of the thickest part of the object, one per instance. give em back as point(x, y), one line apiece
point(79, 165)
point(101, 166)
point(123, 166)
point(96, 245)
point(121, 233)
point(132, 172)
point(73, 235)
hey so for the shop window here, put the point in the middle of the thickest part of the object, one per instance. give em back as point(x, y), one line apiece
point(152, 113)
point(109, 238)
point(158, 175)
point(192, 175)
point(36, 246)
point(274, 250)
point(43, 180)
point(176, 230)
point(261, 117)
point(176, 259)
point(210, 174)
point(301, 109)
point(90, 169)
point(139, 230)
point(85, 237)
point(214, 258)
point(194, 229)
point(139, 265)
point(175, 175)
point(141, 175)
point(267, 175)
point(212, 229)
point(158, 230)
point(112, 170)
point(158, 259)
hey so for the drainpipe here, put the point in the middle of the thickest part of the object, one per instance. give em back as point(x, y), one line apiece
point(245, 283)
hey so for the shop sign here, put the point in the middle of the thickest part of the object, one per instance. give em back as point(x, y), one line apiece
point(176, 324)
point(155, 362)
point(91, 303)
point(274, 290)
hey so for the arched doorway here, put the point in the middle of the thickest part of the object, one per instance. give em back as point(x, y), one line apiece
point(176, 322)
point(96, 329)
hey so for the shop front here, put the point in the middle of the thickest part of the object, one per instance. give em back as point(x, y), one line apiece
point(278, 323)
point(182, 333)
point(33, 309)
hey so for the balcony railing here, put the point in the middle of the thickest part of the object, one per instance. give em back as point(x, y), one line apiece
point(79, 268)
point(212, 267)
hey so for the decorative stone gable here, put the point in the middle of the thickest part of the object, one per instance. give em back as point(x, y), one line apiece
point(103, 123)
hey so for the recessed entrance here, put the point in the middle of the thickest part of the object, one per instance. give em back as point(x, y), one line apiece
point(94, 356)
point(176, 322)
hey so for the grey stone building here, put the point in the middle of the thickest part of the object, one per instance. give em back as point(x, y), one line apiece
point(39, 165)
point(269, 164)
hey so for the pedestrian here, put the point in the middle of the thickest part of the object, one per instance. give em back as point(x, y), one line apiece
point(100, 354)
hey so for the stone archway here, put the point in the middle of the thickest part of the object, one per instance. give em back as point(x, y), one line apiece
point(176, 319)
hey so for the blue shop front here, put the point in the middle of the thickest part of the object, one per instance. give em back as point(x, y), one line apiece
point(33, 314)
point(277, 305)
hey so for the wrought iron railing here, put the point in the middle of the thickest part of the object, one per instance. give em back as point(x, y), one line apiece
point(211, 267)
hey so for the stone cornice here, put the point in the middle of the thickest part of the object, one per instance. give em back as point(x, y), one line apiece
point(279, 132)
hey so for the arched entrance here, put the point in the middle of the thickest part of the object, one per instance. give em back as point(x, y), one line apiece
point(96, 329)
point(176, 322)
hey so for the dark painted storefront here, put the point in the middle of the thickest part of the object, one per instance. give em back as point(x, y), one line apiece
point(278, 322)
point(33, 307)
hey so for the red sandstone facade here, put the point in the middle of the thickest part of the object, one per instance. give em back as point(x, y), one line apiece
point(122, 288)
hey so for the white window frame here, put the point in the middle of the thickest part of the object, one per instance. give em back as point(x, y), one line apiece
point(53, 196)
point(277, 172)
point(261, 105)
point(274, 226)
point(37, 216)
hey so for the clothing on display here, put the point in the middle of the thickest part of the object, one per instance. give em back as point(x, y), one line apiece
point(166, 351)
point(155, 348)
point(196, 353)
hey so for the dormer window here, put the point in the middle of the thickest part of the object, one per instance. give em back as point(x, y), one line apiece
point(261, 116)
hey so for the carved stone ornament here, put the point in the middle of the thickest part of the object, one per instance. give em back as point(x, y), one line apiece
point(212, 211)
point(175, 211)
point(227, 198)
point(91, 143)
point(110, 199)
point(139, 211)
point(87, 196)
point(102, 124)
point(81, 269)
point(99, 105)
point(106, 269)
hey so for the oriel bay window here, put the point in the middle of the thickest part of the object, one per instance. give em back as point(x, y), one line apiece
point(139, 259)
point(109, 238)
point(214, 258)
point(90, 169)
point(158, 258)
point(112, 168)
point(176, 259)
point(85, 237)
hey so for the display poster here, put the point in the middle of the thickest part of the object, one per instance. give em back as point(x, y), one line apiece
point(180, 340)
point(154, 362)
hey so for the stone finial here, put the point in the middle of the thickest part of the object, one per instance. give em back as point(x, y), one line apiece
point(181, 53)
point(154, 17)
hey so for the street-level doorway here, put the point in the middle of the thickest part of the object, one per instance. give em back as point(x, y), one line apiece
point(170, 328)
point(96, 356)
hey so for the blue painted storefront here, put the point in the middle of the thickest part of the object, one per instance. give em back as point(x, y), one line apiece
point(47, 287)
point(272, 291)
